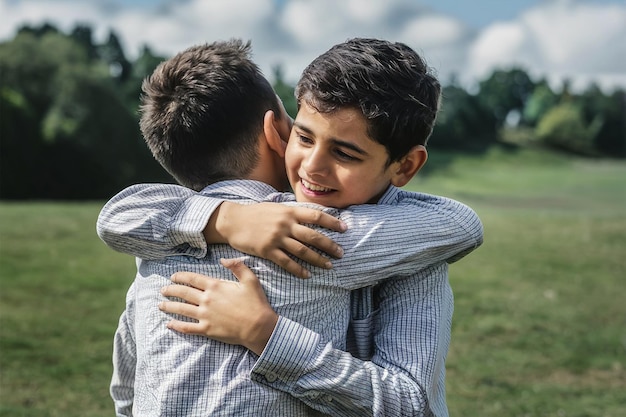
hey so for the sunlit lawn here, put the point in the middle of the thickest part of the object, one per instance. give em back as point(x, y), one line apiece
point(540, 315)
point(61, 293)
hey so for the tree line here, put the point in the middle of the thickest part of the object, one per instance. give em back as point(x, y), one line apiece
point(69, 122)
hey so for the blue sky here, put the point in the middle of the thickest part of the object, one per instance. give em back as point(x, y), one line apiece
point(579, 40)
point(484, 12)
point(477, 13)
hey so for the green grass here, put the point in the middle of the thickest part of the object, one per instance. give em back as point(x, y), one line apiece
point(60, 296)
point(540, 315)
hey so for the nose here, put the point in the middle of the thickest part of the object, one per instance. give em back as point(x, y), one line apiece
point(315, 162)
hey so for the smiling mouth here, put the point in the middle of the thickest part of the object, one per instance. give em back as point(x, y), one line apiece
point(315, 188)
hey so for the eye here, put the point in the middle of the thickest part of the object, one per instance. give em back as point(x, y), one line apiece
point(304, 140)
point(345, 156)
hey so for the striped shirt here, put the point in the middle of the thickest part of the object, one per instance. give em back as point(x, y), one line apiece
point(303, 370)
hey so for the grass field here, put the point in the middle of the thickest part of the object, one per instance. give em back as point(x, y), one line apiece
point(540, 317)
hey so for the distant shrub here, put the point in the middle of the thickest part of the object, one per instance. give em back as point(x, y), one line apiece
point(563, 127)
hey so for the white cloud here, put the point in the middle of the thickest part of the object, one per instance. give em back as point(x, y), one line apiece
point(501, 44)
point(558, 38)
point(433, 31)
point(309, 23)
point(313, 29)
point(64, 14)
point(568, 30)
point(181, 25)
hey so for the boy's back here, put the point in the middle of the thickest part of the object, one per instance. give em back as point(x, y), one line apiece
point(181, 375)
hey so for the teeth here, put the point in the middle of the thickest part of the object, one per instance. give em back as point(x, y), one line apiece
point(315, 187)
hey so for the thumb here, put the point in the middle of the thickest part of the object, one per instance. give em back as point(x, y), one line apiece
point(239, 269)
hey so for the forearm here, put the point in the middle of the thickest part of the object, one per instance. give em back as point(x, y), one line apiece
point(296, 360)
point(413, 233)
point(409, 325)
point(156, 220)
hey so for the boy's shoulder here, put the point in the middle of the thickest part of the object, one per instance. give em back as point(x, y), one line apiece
point(398, 196)
point(460, 212)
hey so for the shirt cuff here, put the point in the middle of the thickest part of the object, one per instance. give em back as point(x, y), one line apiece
point(287, 354)
point(189, 222)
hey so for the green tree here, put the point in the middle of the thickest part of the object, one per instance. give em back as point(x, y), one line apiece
point(464, 123)
point(563, 127)
point(141, 68)
point(29, 69)
point(113, 54)
point(285, 91)
point(65, 121)
point(540, 101)
point(82, 35)
point(505, 91)
point(21, 151)
point(29, 66)
point(38, 32)
point(609, 112)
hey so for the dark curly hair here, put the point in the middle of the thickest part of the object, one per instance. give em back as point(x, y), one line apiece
point(388, 82)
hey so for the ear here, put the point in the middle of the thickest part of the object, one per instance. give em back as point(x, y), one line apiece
point(407, 167)
point(271, 130)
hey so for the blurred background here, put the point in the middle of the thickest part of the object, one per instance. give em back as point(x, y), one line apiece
point(549, 73)
point(532, 135)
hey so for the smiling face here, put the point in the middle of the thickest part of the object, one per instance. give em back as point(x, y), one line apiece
point(332, 161)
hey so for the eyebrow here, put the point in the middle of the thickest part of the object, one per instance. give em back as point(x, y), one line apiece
point(336, 141)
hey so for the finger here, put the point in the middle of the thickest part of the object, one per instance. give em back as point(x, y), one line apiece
point(199, 281)
point(189, 294)
point(295, 268)
point(327, 221)
point(183, 309)
point(316, 239)
point(186, 327)
point(307, 254)
point(281, 259)
point(240, 270)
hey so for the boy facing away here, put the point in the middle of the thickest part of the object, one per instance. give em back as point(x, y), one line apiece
point(372, 129)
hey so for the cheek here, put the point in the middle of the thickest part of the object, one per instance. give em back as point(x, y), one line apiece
point(355, 181)
point(365, 183)
point(291, 159)
point(289, 150)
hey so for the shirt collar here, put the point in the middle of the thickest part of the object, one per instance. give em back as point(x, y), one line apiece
point(391, 196)
point(239, 190)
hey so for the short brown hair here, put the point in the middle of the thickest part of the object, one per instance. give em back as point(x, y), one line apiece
point(202, 112)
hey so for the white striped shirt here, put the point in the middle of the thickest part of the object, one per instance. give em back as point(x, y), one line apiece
point(410, 236)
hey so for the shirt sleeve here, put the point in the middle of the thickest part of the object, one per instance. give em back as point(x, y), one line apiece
point(152, 221)
point(417, 231)
point(406, 374)
point(124, 362)
point(397, 237)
